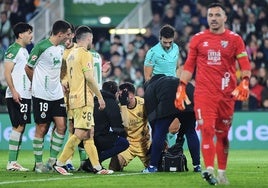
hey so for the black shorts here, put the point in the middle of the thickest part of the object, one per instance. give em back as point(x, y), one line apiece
point(44, 110)
point(19, 114)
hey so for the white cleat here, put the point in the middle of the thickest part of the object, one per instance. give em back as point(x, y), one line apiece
point(103, 171)
point(222, 179)
point(14, 166)
point(50, 163)
point(61, 170)
point(40, 168)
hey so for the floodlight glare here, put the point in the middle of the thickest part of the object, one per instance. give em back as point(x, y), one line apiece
point(123, 31)
point(105, 20)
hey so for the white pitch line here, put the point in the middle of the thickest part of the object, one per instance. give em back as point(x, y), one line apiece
point(69, 177)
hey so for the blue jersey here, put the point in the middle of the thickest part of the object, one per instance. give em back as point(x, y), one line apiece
point(162, 61)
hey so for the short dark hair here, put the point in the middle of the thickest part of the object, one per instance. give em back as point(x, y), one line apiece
point(72, 28)
point(21, 27)
point(60, 26)
point(117, 37)
point(110, 86)
point(128, 86)
point(167, 31)
point(217, 4)
point(4, 12)
point(82, 30)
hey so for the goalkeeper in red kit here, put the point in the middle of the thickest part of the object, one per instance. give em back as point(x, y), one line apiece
point(213, 54)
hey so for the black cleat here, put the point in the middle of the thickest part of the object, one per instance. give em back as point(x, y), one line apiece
point(207, 176)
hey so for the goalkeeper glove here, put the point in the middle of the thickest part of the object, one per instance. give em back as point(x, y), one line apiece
point(123, 97)
point(181, 97)
point(241, 92)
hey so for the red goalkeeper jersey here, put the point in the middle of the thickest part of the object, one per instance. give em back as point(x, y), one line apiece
point(214, 57)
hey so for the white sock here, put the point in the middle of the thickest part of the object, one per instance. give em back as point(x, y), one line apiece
point(59, 163)
point(69, 161)
point(97, 167)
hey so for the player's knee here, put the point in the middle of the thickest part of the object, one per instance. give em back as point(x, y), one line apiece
point(41, 130)
point(208, 131)
point(222, 136)
point(61, 129)
point(117, 163)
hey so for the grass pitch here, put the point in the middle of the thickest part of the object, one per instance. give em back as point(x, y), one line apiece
point(246, 169)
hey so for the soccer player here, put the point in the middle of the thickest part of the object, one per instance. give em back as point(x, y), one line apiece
point(163, 59)
point(43, 69)
point(109, 133)
point(18, 93)
point(69, 45)
point(82, 87)
point(97, 67)
point(138, 132)
point(214, 53)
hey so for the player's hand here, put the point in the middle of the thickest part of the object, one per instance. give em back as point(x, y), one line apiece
point(106, 67)
point(123, 97)
point(65, 88)
point(101, 103)
point(181, 97)
point(241, 92)
point(16, 97)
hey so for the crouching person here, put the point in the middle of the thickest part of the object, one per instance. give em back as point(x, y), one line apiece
point(137, 128)
point(110, 135)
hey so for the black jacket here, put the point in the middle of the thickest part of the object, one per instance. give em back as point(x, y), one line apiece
point(160, 94)
point(108, 122)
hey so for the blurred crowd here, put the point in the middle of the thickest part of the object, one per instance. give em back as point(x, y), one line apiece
point(248, 18)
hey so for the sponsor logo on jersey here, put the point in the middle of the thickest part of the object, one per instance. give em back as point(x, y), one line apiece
point(226, 121)
point(10, 55)
point(89, 64)
point(214, 57)
point(84, 116)
point(56, 61)
point(34, 58)
point(225, 80)
point(205, 43)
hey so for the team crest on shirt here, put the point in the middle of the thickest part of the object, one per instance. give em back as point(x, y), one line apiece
point(224, 43)
point(140, 114)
